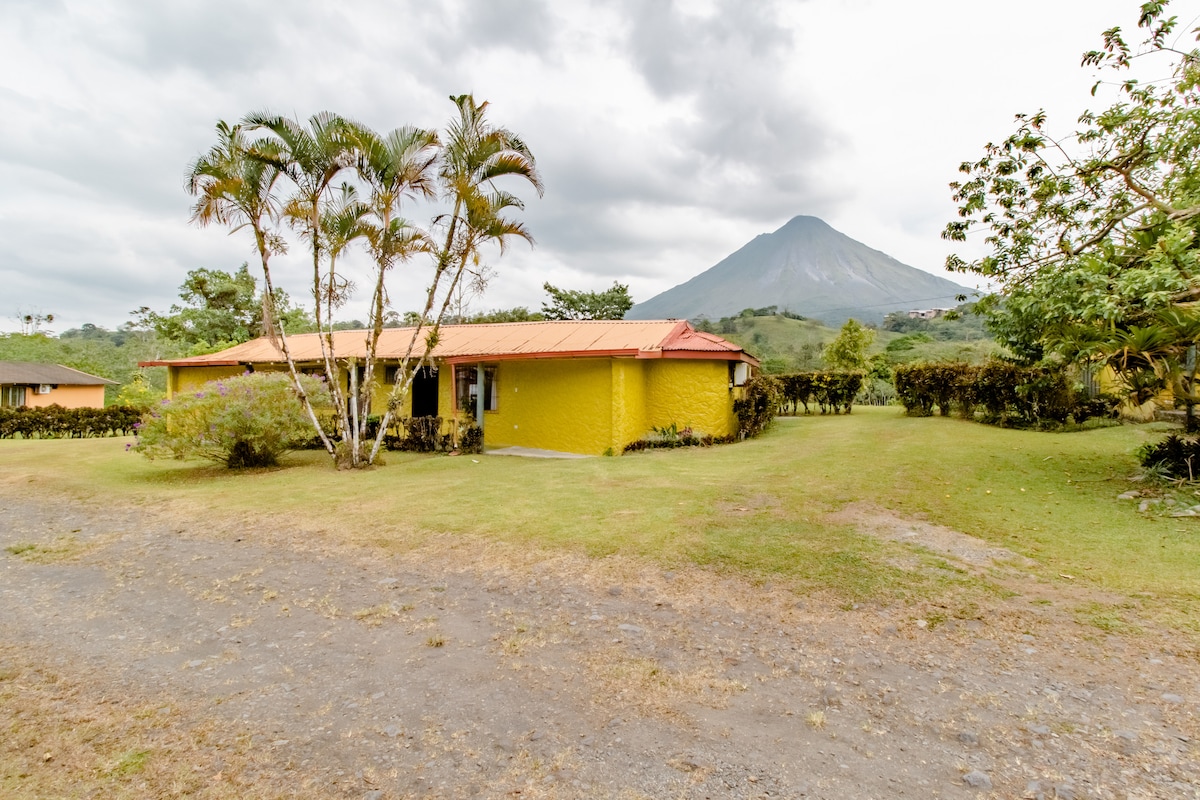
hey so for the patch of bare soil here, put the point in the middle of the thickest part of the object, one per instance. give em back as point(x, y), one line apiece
point(298, 669)
point(969, 550)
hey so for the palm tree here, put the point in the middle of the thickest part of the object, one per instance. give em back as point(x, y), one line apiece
point(232, 189)
point(474, 154)
point(233, 184)
point(342, 222)
point(397, 166)
point(311, 156)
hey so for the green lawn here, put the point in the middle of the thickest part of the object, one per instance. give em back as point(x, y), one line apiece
point(758, 508)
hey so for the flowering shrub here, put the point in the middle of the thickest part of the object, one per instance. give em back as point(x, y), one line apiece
point(247, 421)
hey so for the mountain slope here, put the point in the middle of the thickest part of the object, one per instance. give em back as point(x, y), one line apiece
point(809, 268)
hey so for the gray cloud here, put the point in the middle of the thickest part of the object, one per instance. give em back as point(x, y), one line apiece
point(520, 25)
point(667, 136)
point(219, 38)
point(752, 133)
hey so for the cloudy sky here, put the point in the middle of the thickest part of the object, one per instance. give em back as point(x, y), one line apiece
point(668, 134)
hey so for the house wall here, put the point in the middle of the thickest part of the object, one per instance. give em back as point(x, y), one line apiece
point(552, 404)
point(67, 397)
point(190, 379)
point(598, 405)
point(575, 405)
point(689, 393)
point(629, 401)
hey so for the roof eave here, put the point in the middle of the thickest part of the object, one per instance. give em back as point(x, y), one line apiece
point(187, 363)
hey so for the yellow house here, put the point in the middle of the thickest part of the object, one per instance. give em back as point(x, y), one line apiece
point(587, 387)
point(39, 385)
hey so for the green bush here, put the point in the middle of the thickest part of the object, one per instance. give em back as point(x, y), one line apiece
point(421, 435)
point(1003, 393)
point(832, 390)
point(53, 422)
point(470, 439)
point(757, 406)
point(1177, 456)
point(691, 440)
point(246, 421)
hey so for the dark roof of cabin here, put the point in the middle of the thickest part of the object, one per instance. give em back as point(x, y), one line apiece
point(24, 372)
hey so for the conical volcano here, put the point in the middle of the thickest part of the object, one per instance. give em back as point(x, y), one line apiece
point(808, 268)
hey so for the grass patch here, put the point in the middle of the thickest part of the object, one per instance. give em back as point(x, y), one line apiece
point(130, 763)
point(63, 548)
point(59, 738)
point(1107, 618)
point(757, 509)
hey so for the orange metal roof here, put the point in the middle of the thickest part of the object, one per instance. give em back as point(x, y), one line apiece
point(501, 341)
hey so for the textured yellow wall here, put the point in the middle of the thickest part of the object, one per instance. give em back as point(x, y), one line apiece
point(552, 404)
point(629, 401)
point(596, 405)
point(67, 397)
point(189, 379)
point(689, 393)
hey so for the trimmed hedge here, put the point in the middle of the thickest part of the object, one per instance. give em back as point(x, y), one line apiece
point(56, 422)
point(999, 393)
point(832, 390)
point(757, 406)
point(683, 440)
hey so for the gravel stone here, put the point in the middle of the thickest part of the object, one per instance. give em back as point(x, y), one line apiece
point(977, 780)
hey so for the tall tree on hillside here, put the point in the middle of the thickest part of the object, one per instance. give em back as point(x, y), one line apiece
point(219, 310)
point(1094, 238)
point(572, 304)
point(849, 348)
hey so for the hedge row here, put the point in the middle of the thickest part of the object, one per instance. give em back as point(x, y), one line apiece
point(1002, 393)
point(683, 440)
point(832, 391)
point(56, 422)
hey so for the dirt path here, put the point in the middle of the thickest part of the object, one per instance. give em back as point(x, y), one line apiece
point(455, 674)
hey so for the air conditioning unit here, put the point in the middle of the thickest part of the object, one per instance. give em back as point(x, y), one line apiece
point(45, 388)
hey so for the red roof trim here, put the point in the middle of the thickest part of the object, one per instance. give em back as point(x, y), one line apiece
point(189, 363)
point(530, 356)
point(508, 342)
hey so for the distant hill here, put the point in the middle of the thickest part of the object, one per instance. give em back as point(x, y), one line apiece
point(790, 345)
point(808, 268)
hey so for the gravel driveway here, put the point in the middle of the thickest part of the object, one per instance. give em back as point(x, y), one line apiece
point(450, 673)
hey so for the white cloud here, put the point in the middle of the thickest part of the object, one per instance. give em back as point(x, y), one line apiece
point(669, 134)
